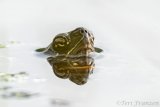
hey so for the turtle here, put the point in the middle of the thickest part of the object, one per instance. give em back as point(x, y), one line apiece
point(70, 55)
point(79, 41)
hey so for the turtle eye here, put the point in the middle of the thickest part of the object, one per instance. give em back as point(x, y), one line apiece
point(60, 43)
point(82, 31)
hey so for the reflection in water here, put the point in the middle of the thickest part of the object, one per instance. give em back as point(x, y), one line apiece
point(76, 68)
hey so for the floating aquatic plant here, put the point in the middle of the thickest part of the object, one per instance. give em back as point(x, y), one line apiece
point(18, 95)
point(2, 46)
point(6, 77)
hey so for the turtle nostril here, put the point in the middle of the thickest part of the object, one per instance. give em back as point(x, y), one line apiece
point(89, 34)
point(82, 31)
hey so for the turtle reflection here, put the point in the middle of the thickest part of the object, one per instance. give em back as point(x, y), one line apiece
point(76, 68)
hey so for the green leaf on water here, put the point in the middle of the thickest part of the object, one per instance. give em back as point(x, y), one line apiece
point(18, 95)
point(4, 88)
point(9, 77)
point(2, 46)
point(14, 42)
